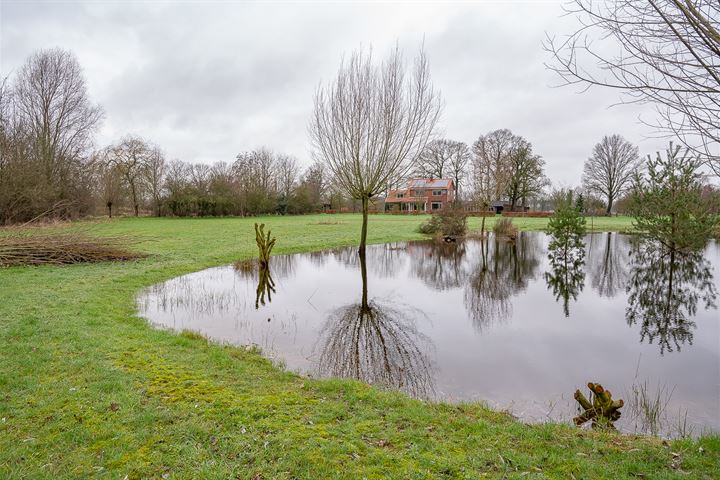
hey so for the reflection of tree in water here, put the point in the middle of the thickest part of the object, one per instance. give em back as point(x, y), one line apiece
point(283, 266)
point(376, 343)
point(504, 269)
point(440, 265)
point(383, 260)
point(607, 262)
point(266, 286)
point(664, 290)
point(566, 277)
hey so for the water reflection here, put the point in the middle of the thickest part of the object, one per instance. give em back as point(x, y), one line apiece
point(489, 325)
point(566, 277)
point(608, 263)
point(440, 265)
point(376, 342)
point(665, 288)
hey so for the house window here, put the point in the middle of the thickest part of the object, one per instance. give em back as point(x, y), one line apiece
point(400, 195)
point(437, 193)
point(436, 205)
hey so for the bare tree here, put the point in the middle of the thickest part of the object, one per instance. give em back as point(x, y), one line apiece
point(667, 54)
point(610, 169)
point(526, 178)
point(108, 185)
point(52, 103)
point(489, 168)
point(46, 130)
point(130, 157)
point(490, 172)
point(442, 159)
point(504, 166)
point(287, 174)
point(154, 177)
point(372, 122)
point(459, 161)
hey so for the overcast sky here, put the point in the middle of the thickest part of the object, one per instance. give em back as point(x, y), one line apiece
point(208, 80)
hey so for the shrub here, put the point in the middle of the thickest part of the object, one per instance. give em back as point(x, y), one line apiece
point(448, 222)
point(505, 227)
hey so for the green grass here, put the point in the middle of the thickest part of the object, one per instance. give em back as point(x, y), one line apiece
point(88, 389)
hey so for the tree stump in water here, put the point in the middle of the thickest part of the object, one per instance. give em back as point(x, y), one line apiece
point(603, 411)
point(264, 243)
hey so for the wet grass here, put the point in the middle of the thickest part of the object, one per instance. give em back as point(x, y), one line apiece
point(88, 389)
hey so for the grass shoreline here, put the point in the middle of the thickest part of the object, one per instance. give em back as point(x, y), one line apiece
point(89, 389)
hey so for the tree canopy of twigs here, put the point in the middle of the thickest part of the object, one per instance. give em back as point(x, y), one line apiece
point(47, 123)
point(378, 343)
point(662, 52)
point(504, 166)
point(610, 169)
point(444, 158)
point(372, 121)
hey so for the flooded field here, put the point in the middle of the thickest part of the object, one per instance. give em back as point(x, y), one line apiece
point(505, 322)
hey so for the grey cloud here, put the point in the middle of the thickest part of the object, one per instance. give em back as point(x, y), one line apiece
point(207, 80)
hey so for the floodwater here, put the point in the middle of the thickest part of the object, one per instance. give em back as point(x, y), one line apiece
point(508, 323)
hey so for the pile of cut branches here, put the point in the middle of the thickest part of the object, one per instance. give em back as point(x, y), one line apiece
point(27, 247)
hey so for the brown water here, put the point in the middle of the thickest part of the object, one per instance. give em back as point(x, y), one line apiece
point(498, 321)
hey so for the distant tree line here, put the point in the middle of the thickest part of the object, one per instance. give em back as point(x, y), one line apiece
point(51, 167)
point(134, 173)
point(47, 124)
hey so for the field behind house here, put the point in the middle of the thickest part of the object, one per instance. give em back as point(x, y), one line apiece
point(88, 389)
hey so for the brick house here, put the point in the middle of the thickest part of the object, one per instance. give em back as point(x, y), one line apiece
point(421, 195)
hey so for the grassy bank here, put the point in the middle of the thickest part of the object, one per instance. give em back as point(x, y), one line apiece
point(88, 389)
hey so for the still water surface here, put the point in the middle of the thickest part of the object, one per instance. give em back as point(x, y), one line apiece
point(508, 323)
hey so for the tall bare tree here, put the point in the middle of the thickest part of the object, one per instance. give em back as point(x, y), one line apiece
point(108, 183)
point(504, 166)
point(610, 169)
point(47, 123)
point(444, 158)
point(287, 174)
point(458, 166)
point(526, 178)
point(666, 53)
point(154, 177)
point(372, 122)
point(52, 103)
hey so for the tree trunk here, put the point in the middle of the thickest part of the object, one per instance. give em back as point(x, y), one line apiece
point(134, 198)
point(482, 226)
point(363, 232)
point(363, 273)
point(609, 207)
point(109, 207)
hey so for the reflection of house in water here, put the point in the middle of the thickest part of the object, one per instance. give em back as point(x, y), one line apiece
point(421, 195)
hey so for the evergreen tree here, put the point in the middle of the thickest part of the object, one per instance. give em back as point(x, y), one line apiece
point(667, 203)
